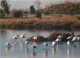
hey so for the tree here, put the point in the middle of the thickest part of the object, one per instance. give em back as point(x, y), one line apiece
point(17, 13)
point(32, 9)
point(38, 3)
point(38, 14)
point(5, 6)
point(1, 14)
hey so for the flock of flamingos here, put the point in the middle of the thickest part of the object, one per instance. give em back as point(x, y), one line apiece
point(53, 44)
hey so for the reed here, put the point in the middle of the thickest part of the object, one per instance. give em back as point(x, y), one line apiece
point(50, 22)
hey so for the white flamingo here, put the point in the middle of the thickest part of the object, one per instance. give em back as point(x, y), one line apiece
point(53, 43)
point(45, 44)
point(58, 38)
point(33, 46)
point(78, 38)
point(27, 42)
point(8, 44)
point(69, 37)
point(68, 43)
point(74, 39)
point(15, 37)
point(23, 36)
point(35, 37)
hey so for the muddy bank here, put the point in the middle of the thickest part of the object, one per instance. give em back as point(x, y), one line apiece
point(51, 37)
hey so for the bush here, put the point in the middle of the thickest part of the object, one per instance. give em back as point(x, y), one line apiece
point(78, 17)
point(70, 8)
point(32, 9)
point(38, 14)
point(1, 14)
point(17, 13)
point(47, 13)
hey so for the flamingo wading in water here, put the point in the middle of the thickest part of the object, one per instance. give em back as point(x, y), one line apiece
point(45, 44)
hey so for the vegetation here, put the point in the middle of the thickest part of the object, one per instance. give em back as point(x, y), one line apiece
point(59, 16)
point(32, 9)
point(16, 13)
point(70, 8)
point(5, 6)
point(38, 14)
point(78, 17)
point(1, 14)
point(50, 22)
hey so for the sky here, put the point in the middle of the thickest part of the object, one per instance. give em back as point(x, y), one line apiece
point(25, 4)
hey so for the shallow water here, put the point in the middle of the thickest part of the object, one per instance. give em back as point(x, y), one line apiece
point(19, 50)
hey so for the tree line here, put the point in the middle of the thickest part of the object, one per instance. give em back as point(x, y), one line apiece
point(70, 8)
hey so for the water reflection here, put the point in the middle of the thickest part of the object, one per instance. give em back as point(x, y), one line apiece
point(35, 43)
point(68, 53)
point(74, 44)
point(45, 53)
point(53, 51)
point(7, 49)
point(33, 54)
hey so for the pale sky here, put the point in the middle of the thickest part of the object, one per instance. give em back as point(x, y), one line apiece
point(25, 4)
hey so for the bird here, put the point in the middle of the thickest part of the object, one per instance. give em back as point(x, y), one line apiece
point(69, 37)
point(78, 38)
point(58, 38)
point(45, 44)
point(68, 43)
point(53, 44)
point(74, 39)
point(15, 37)
point(23, 36)
point(33, 46)
point(8, 44)
point(27, 42)
point(35, 37)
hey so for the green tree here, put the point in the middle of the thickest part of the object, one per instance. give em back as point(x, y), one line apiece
point(32, 9)
point(5, 6)
point(38, 14)
point(1, 14)
point(17, 13)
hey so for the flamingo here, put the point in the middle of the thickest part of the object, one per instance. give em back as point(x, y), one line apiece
point(69, 37)
point(53, 43)
point(33, 46)
point(27, 42)
point(15, 37)
point(45, 44)
point(74, 39)
point(78, 38)
point(58, 38)
point(35, 37)
point(23, 36)
point(8, 44)
point(68, 43)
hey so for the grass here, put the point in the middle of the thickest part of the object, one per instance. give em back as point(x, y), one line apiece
point(47, 22)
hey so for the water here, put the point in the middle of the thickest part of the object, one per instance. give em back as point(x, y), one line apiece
point(20, 50)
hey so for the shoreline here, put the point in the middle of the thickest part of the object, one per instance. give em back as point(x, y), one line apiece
point(50, 22)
